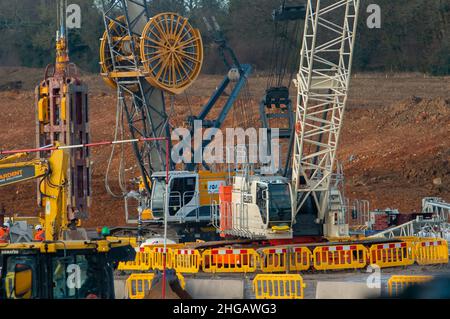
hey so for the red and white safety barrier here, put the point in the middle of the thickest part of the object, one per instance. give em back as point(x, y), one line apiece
point(392, 246)
point(431, 243)
point(339, 248)
point(229, 252)
point(277, 251)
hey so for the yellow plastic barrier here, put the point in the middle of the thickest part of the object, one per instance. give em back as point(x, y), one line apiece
point(340, 257)
point(397, 284)
point(139, 285)
point(142, 262)
point(158, 258)
point(274, 260)
point(431, 252)
point(186, 260)
point(278, 286)
point(300, 259)
point(392, 255)
point(230, 260)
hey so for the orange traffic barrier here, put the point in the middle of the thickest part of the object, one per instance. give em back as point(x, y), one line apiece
point(340, 257)
point(392, 255)
point(230, 260)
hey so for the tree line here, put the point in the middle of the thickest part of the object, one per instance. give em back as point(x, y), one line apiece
point(414, 34)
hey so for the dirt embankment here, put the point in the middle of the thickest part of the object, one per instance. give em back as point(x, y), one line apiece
point(395, 143)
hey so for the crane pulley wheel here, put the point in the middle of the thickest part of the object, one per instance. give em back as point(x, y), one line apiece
point(171, 52)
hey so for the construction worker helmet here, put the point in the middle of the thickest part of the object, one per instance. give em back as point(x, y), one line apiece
point(38, 227)
point(6, 225)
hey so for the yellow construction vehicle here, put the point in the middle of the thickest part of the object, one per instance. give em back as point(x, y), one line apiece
point(67, 265)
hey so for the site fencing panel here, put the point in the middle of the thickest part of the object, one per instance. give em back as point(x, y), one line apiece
point(230, 260)
point(392, 255)
point(268, 286)
point(340, 257)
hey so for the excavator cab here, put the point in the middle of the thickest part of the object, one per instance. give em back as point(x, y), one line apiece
point(69, 270)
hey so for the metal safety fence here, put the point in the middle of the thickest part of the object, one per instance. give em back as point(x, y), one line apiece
point(397, 284)
point(267, 286)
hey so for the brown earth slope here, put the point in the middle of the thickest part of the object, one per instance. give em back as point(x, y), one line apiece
point(395, 145)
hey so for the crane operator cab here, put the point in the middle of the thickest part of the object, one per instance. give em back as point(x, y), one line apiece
point(187, 201)
point(260, 207)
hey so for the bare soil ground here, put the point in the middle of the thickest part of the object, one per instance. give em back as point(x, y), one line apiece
point(395, 144)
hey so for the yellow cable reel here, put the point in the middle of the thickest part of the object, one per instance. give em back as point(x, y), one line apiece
point(171, 52)
point(119, 36)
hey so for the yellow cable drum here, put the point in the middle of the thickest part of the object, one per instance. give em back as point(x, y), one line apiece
point(171, 52)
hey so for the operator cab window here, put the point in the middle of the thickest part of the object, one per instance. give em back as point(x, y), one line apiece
point(261, 202)
point(11, 263)
point(182, 192)
point(79, 277)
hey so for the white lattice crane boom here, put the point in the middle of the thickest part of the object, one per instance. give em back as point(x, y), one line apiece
point(323, 83)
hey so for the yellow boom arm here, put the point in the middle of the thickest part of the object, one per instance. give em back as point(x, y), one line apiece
point(53, 186)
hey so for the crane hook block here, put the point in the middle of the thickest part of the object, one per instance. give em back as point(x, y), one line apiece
point(171, 52)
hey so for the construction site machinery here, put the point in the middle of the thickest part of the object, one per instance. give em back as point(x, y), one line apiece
point(192, 193)
point(66, 265)
point(255, 207)
point(323, 85)
point(276, 109)
point(62, 115)
point(61, 269)
point(145, 56)
point(130, 71)
point(236, 77)
point(142, 56)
